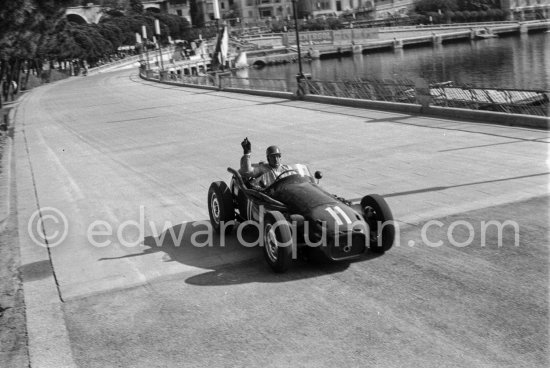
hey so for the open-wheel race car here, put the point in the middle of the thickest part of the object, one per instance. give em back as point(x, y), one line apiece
point(294, 213)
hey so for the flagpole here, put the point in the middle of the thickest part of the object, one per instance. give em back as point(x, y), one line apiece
point(157, 31)
point(144, 32)
point(301, 74)
point(219, 32)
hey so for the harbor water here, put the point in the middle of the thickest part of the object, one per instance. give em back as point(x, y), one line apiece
point(519, 62)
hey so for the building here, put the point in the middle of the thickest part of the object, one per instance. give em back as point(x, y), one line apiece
point(91, 11)
point(280, 9)
point(262, 9)
point(179, 7)
point(526, 9)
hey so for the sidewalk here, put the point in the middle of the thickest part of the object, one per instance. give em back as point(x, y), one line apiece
point(6, 144)
point(13, 331)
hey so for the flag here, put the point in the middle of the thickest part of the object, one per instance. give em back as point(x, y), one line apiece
point(220, 53)
point(224, 47)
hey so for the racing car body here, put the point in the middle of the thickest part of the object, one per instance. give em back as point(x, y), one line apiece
point(294, 211)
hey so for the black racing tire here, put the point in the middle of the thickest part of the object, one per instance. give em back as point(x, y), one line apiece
point(377, 212)
point(277, 231)
point(220, 206)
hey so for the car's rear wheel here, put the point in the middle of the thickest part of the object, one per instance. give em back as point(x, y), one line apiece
point(220, 207)
point(277, 241)
point(378, 215)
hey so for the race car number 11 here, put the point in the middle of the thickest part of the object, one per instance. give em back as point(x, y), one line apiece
point(338, 215)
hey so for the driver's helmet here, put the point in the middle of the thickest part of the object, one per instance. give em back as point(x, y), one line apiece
point(272, 150)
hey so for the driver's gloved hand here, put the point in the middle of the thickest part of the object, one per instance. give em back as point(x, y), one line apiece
point(247, 146)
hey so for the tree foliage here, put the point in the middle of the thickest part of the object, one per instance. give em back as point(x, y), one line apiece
point(425, 6)
point(196, 12)
point(32, 31)
point(135, 6)
point(441, 11)
point(24, 25)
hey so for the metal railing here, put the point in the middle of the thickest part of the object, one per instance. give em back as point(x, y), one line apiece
point(223, 81)
point(372, 89)
point(133, 59)
point(447, 94)
point(512, 101)
point(260, 84)
point(197, 80)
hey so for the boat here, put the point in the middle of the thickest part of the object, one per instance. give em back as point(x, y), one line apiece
point(241, 60)
point(484, 33)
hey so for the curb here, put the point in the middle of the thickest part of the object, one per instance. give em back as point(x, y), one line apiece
point(5, 175)
point(48, 340)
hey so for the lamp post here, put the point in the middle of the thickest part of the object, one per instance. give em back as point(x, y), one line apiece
point(216, 7)
point(144, 34)
point(139, 41)
point(300, 75)
point(219, 32)
point(157, 32)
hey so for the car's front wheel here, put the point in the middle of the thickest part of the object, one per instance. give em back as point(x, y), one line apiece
point(220, 207)
point(277, 241)
point(378, 216)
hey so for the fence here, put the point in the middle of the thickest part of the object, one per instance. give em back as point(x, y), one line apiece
point(227, 81)
point(198, 80)
point(501, 100)
point(512, 101)
point(374, 89)
point(261, 84)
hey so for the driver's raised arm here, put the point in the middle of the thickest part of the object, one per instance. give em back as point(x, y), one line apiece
point(247, 169)
point(246, 166)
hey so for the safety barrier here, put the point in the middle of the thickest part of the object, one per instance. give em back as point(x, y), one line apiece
point(377, 90)
point(511, 101)
point(488, 105)
point(223, 81)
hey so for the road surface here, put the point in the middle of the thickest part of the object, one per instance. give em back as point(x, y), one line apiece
point(115, 163)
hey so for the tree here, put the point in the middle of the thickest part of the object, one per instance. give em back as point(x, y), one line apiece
point(135, 6)
point(425, 6)
point(458, 10)
point(196, 12)
point(478, 4)
point(24, 25)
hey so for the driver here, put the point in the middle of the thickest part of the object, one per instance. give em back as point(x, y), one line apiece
point(267, 173)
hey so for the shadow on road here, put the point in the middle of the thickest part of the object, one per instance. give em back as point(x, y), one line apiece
point(232, 259)
point(36, 270)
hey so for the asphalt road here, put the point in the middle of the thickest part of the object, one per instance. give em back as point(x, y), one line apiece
point(114, 154)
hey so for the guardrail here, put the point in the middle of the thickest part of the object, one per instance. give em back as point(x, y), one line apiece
point(377, 90)
point(197, 80)
point(222, 81)
point(511, 101)
point(258, 84)
point(132, 59)
point(126, 60)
